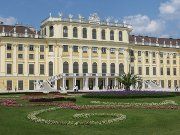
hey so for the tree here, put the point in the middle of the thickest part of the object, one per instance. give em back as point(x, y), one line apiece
point(129, 80)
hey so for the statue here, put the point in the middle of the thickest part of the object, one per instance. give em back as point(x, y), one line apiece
point(94, 18)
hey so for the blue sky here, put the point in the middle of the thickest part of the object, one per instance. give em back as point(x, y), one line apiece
point(148, 17)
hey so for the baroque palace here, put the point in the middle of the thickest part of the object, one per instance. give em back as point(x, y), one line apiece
point(90, 54)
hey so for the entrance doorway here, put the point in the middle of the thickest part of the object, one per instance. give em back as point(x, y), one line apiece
point(78, 84)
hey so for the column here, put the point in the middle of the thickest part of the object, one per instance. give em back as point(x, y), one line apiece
point(60, 59)
point(14, 60)
point(86, 83)
point(80, 60)
point(108, 60)
point(117, 63)
point(70, 60)
point(64, 83)
point(106, 83)
point(126, 59)
point(89, 60)
point(96, 83)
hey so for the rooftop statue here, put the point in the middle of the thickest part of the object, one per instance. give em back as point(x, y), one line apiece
point(94, 18)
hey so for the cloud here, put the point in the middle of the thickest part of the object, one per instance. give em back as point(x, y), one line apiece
point(170, 10)
point(8, 20)
point(144, 25)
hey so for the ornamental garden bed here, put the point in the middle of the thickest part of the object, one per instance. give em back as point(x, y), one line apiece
point(52, 99)
point(129, 94)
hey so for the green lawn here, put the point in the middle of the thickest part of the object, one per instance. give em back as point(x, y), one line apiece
point(13, 120)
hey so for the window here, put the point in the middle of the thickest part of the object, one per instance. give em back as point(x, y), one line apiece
point(139, 60)
point(174, 62)
point(161, 61)
point(121, 50)
point(131, 52)
point(175, 83)
point(132, 70)
point(161, 54)
point(94, 67)
point(154, 54)
point(168, 62)
point(51, 31)
point(139, 53)
point(111, 35)
point(31, 84)
point(103, 34)
point(94, 34)
point(174, 71)
point(84, 49)
point(20, 47)
point(112, 50)
point(65, 67)
point(9, 47)
point(168, 71)
point(9, 68)
point(94, 49)
point(140, 70)
point(103, 49)
point(20, 68)
point(85, 67)
point(31, 56)
point(104, 68)
point(162, 83)
point(31, 69)
point(31, 47)
point(41, 69)
point(75, 48)
point(41, 56)
point(147, 60)
point(65, 31)
point(120, 36)
point(147, 70)
point(154, 70)
point(75, 67)
point(131, 59)
point(174, 55)
point(50, 68)
point(154, 61)
point(20, 56)
point(84, 33)
point(161, 71)
point(112, 68)
point(146, 53)
point(20, 84)
point(75, 32)
point(65, 48)
point(168, 55)
point(41, 48)
point(9, 84)
point(50, 48)
point(8, 55)
point(121, 69)
point(169, 83)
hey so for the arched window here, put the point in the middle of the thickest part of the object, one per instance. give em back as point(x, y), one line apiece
point(65, 67)
point(121, 69)
point(94, 67)
point(84, 33)
point(75, 32)
point(85, 67)
point(112, 68)
point(94, 34)
point(120, 35)
point(65, 31)
point(75, 67)
point(51, 31)
point(111, 35)
point(103, 34)
point(50, 68)
point(104, 68)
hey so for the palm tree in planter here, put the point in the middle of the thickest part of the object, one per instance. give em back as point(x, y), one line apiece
point(129, 80)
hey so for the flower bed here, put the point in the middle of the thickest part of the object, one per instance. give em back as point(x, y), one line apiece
point(129, 94)
point(116, 118)
point(9, 103)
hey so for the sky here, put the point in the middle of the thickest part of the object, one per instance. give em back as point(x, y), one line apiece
point(148, 17)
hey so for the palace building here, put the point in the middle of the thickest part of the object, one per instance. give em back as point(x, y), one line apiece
point(88, 53)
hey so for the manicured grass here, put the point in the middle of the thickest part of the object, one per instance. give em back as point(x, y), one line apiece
point(13, 120)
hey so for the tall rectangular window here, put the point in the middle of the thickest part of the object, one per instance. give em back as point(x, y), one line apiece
point(174, 71)
point(20, 84)
point(139, 53)
point(41, 48)
point(175, 83)
point(146, 53)
point(169, 83)
point(162, 83)
point(9, 69)
point(154, 54)
point(42, 69)
point(161, 71)
point(20, 47)
point(140, 70)
point(9, 84)
point(20, 56)
point(168, 71)
point(103, 49)
point(31, 47)
point(31, 56)
point(147, 70)
point(8, 55)
point(9, 47)
point(132, 70)
point(84, 49)
point(31, 69)
point(94, 49)
point(31, 84)
point(50, 48)
point(120, 36)
point(20, 68)
point(154, 70)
